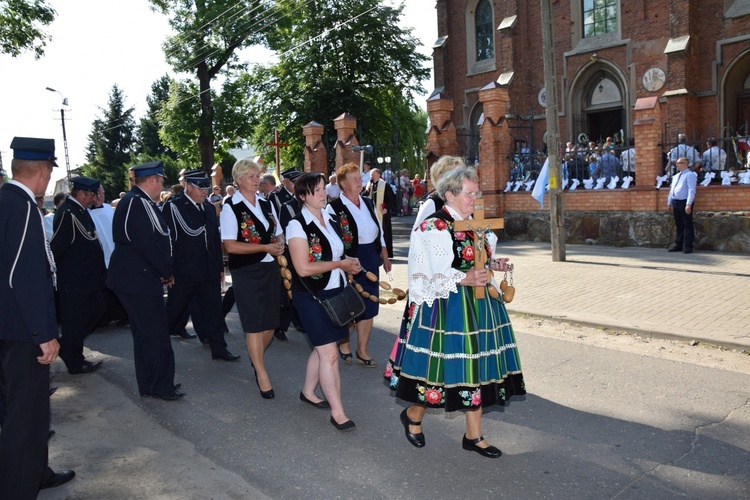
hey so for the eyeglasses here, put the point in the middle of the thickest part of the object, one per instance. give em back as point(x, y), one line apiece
point(472, 194)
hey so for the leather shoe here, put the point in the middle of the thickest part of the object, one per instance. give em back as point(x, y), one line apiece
point(319, 404)
point(280, 334)
point(489, 452)
point(86, 367)
point(226, 356)
point(675, 249)
point(184, 334)
point(58, 479)
point(172, 396)
point(415, 439)
point(688, 250)
point(346, 426)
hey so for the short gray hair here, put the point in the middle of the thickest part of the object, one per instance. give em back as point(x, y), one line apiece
point(453, 181)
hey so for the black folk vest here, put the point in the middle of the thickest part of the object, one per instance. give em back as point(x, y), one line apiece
point(349, 232)
point(320, 250)
point(252, 232)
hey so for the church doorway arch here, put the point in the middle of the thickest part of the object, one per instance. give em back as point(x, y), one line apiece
point(736, 97)
point(598, 98)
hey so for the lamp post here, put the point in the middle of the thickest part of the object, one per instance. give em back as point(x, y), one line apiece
point(65, 137)
point(362, 150)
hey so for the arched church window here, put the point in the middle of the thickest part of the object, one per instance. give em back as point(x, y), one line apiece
point(484, 31)
point(746, 85)
point(599, 17)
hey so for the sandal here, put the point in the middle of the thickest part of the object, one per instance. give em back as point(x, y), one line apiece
point(370, 363)
point(346, 356)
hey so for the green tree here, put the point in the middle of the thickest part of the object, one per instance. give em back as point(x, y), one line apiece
point(208, 33)
point(21, 23)
point(179, 127)
point(338, 56)
point(148, 140)
point(111, 144)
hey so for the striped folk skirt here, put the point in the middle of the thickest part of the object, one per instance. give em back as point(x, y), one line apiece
point(458, 353)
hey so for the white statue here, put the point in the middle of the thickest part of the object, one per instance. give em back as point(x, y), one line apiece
point(626, 181)
point(709, 177)
point(529, 184)
point(508, 186)
point(726, 178)
point(600, 183)
point(575, 184)
point(517, 185)
point(613, 183)
point(588, 183)
point(744, 177)
point(565, 183)
point(660, 179)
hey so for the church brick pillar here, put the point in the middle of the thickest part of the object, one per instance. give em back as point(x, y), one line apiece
point(495, 147)
point(647, 129)
point(217, 175)
point(441, 137)
point(345, 125)
point(316, 156)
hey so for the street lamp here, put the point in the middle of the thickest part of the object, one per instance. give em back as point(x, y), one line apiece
point(362, 150)
point(65, 137)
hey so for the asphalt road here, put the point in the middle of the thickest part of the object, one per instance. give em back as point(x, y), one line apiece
point(599, 421)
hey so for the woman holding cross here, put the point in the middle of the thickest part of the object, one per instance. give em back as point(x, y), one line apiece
point(460, 352)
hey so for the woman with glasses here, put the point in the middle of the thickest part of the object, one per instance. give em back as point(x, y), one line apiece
point(460, 353)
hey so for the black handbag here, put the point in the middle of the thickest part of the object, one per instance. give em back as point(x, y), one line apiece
point(343, 308)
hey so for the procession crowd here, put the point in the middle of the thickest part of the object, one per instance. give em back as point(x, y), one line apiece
point(289, 251)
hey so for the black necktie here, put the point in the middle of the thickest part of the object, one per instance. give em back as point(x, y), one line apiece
point(200, 207)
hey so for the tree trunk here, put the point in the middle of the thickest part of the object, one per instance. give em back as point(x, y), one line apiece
point(205, 120)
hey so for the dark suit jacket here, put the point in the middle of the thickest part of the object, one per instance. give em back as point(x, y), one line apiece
point(142, 253)
point(80, 260)
point(196, 258)
point(278, 197)
point(288, 211)
point(27, 303)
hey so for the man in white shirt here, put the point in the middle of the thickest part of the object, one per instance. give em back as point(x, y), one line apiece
point(627, 160)
point(683, 150)
point(681, 198)
point(332, 189)
point(714, 158)
point(366, 166)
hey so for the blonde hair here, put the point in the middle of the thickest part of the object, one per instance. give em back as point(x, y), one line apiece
point(242, 167)
point(444, 165)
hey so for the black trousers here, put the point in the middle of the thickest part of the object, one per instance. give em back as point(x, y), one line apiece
point(208, 323)
point(684, 223)
point(80, 313)
point(24, 387)
point(152, 346)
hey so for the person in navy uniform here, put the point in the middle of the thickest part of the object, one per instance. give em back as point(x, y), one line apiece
point(80, 273)
point(140, 266)
point(196, 245)
point(28, 326)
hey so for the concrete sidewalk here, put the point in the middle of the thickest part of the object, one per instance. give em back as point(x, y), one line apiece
point(701, 296)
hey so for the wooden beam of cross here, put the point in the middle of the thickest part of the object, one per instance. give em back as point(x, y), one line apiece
point(478, 225)
point(277, 146)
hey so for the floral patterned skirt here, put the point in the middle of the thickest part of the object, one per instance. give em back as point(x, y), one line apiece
point(458, 353)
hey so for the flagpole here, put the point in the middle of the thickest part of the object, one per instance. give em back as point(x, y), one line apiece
point(557, 217)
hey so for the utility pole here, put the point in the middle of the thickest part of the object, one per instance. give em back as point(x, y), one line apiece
point(557, 217)
point(65, 137)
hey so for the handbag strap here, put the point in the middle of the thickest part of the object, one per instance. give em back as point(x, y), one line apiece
point(311, 292)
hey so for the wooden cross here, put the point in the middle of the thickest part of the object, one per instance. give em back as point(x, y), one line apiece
point(277, 145)
point(478, 225)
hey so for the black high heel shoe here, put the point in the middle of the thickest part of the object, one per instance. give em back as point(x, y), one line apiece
point(489, 452)
point(269, 394)
point(415, 439)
